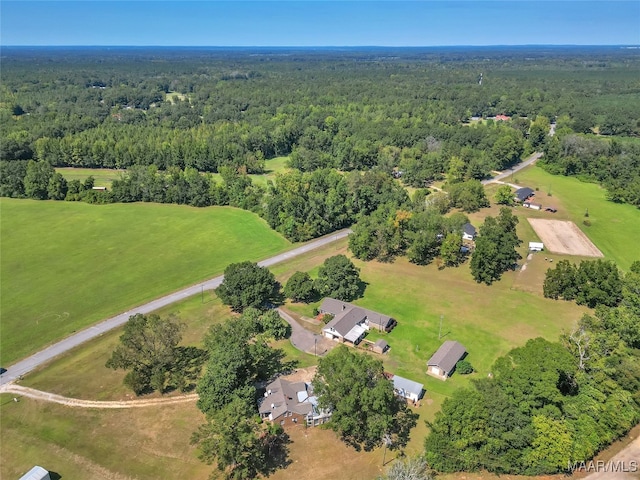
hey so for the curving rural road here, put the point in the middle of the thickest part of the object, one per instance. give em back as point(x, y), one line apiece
point(43, 356)
point(516, 168)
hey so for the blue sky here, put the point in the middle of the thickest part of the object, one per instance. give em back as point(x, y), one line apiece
point(319, 23)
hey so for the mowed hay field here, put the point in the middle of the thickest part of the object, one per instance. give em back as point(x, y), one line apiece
point(66, 265)
point(104, 177)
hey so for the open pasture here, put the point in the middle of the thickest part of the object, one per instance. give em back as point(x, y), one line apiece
point(564, 237)
point(103, 177)
point(66, 265)
point(614, 228)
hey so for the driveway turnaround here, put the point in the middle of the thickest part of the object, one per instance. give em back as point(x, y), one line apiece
point(22, 367)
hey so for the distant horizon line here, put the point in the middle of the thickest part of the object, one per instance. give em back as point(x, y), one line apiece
point(618, 45)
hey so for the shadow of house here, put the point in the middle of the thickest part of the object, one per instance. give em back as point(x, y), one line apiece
point(442, 364)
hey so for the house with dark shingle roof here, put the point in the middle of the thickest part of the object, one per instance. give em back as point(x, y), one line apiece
point(350, 323)
point(443, 362)
point(468, 232)
point(291, 403)
point(522, 194)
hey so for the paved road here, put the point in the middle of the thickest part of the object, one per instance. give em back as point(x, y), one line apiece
point(516, 168)
point(43, 356)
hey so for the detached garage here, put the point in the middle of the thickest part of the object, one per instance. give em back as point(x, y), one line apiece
point(442, 364)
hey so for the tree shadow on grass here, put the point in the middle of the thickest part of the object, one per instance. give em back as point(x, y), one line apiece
point(278, 454)
point(362, 286)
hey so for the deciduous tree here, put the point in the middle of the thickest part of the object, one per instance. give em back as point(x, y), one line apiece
point(299, 287)
point(365, 409)
point(339, 278)
point(245, 285)
point(148, 350)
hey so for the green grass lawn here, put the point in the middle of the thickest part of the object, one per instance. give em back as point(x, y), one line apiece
point(614, 228)
point(66, 265)
point(103, 177)
point(79, 443)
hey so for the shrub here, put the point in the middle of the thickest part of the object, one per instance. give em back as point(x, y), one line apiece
point(463, 367)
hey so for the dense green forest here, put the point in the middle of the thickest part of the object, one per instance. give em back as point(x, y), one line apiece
point(409, 110)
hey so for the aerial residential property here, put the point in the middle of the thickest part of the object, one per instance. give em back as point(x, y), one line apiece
point(350, 323)
point(291, 403)
point(442, 364)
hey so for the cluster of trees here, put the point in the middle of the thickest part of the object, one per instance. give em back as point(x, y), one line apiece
point(422, 234)
point(234, 436)
point(149, 349)
point(365, 410)
point(214, 109)
point(496, 244)
point(614, 163)
point(306, 205)
point(40, 181)
point(549, 404)
point(592, 283)
point(247, 285)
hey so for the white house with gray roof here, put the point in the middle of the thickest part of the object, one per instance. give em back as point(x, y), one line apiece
point(443, 362)
point(350, 323)
point(407, 389)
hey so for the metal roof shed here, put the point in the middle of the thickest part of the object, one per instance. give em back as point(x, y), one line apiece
point(36, 473)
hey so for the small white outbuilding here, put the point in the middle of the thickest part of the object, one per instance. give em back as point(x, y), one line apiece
point(536, 246)
point(36, 473)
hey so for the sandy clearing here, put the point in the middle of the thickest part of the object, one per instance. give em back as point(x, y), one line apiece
point(564, 237)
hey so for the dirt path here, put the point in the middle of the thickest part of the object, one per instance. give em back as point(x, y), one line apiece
point(21, 391)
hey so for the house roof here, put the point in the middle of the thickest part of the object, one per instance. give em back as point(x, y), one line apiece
point(469, 229)
point(285, 397)
point(36, 473)
point(447, 355)
point(354, 334)
point(381, 344)
point(344, 321)
point(346, 316)
point(406, 386)
point(523, 193)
